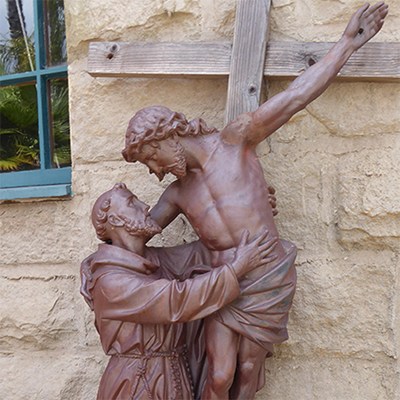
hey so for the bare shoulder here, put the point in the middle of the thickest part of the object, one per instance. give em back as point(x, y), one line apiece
point(237, 131)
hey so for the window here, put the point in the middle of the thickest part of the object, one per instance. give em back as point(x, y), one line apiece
point(35, 158)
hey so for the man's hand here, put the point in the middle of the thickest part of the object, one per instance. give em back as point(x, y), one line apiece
point(272, 199)
point(365, 24)
point(253, 255)
point(150, 267)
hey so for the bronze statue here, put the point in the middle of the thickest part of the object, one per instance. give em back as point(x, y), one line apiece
point(222, 191)
point(139, 304)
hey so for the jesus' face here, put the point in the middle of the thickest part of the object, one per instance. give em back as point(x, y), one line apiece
point(163, 157)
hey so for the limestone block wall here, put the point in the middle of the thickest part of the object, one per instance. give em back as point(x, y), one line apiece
point(335, 167)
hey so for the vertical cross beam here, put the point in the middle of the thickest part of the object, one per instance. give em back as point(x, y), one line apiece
point(248, 57)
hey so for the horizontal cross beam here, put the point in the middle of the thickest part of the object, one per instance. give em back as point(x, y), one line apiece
point(284, 60)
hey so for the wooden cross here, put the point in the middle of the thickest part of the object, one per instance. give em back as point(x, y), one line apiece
point(245, 61)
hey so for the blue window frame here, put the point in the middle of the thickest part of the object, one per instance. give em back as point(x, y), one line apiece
point(49, 177)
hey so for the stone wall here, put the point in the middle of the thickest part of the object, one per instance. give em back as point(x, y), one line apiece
point(334, 165)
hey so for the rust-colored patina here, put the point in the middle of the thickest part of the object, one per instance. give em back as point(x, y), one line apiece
point(222, 191)
point(142, 296)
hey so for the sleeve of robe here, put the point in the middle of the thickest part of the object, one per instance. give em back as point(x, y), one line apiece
point(131, 297)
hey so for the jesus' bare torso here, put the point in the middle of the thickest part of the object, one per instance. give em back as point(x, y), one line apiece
point(225, 197)
point(224, 192)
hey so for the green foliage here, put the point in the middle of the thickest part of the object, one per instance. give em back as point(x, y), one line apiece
point(59, 105)
point(19, 132)
point(19, 148)
point(14, 55)
point(19, 139)
point(56, 28)
point(19, 127)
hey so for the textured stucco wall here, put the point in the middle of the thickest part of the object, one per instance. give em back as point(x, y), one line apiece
point(336, 170)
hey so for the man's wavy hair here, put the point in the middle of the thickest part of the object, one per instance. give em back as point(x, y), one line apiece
point(100, 211)
point(159, 123)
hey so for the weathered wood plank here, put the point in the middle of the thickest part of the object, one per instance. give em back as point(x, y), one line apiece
point(373, 62)
point(248, 56)
point(285, 60)
point(160, 59)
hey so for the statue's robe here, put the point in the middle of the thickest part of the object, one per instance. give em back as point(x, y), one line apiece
point(140, 317)
point(261, 312)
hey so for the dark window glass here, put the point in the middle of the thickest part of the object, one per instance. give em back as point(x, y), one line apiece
point(55, 33)
point(17, 45)
point(34, 125)
point(19, 137)
point(60, 123)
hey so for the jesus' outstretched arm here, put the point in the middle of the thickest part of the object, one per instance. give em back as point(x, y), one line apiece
point(259, 124)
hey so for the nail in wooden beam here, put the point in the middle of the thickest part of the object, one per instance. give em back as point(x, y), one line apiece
point(285, 60)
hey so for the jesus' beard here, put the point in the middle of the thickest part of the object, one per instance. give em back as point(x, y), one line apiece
point(146, 228)
point(177, 168)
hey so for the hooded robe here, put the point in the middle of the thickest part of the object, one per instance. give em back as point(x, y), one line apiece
point(140, 317)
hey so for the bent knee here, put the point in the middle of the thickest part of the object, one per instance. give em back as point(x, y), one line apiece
point(249, 369)
point(222, 380)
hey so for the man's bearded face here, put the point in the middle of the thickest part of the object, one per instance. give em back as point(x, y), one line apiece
point(134, 214)
point(163, 157)
point(177, 168)
point(147, 228)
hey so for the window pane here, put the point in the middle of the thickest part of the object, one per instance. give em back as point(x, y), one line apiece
point(19, 139)
point(55, 32)
point(59, 121)
point(17, 53)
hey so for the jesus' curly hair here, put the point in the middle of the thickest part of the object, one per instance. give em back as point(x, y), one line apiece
point(159, 123)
